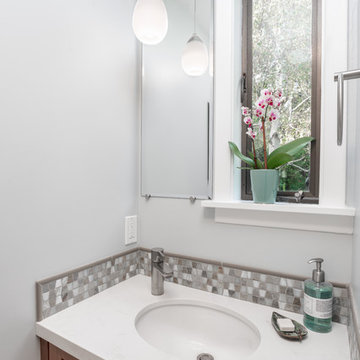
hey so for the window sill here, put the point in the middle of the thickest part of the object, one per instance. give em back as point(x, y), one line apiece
point(308, 217)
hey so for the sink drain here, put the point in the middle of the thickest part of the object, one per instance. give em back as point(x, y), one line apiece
point(205, 357)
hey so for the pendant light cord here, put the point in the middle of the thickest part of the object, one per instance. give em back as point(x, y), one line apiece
point(194, 16)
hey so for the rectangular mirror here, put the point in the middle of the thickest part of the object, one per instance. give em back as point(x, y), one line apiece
point(177, 109)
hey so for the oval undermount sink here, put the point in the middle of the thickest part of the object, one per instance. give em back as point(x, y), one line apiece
point(186, 329)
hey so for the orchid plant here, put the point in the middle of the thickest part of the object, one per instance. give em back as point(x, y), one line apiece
point(266, 111)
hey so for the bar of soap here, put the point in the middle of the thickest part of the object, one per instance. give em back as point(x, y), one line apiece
point(286, 325)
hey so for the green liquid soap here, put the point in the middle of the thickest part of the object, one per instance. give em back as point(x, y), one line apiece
point(318, 301)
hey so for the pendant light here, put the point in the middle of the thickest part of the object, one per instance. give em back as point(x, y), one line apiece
point(195, 58)
point(150, 21)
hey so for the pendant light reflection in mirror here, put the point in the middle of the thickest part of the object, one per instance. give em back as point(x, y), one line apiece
point(195, 57)
point(150, 21)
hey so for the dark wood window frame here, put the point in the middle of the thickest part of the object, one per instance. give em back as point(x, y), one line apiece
point(311, 196)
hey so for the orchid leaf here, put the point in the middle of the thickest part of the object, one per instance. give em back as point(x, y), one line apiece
point(259, 163)
point(235, 150)
point(279, 159)
point(291, 148)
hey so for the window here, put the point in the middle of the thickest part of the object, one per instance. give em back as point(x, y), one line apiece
point(281, 49)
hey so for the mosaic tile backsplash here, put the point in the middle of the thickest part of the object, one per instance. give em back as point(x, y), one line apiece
point(58, 293)
point(283, 293)
point(229, 280)
point(354, 336)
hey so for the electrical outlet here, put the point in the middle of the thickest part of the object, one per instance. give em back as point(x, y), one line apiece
point(130, 229)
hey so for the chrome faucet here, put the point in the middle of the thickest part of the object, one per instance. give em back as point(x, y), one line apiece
point(159, 271)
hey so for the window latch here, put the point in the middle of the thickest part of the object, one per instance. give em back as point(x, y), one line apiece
point(299, 196)
point(243, 87)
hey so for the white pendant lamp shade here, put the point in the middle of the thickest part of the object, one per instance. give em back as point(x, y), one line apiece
point(195, 58)
point(150, 21)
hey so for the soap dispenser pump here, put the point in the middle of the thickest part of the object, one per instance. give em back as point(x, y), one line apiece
point(318, 300)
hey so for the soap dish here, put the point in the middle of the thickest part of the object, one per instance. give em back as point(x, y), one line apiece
point(298, 334)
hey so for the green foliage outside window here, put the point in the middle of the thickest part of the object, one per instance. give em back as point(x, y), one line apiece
point(282, 59)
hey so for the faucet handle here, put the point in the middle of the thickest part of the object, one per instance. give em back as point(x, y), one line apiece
point(157, 254)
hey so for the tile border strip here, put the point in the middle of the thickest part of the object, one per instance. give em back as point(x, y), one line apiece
point(84, 267)
point(245, 283)
point(111, 273)
point(354, 328)
point(243, 268)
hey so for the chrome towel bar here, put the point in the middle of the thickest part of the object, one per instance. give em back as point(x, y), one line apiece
point(340, 78)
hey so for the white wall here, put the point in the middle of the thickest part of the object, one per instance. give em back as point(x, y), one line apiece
point(354, 142)
point(185, 228)
point(68, 147)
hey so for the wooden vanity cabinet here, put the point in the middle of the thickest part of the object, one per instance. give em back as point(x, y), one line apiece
point(51, 352)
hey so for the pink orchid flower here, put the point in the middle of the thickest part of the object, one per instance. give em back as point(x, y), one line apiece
point(278, 93)
point(251, 133)
point(274, 115)
point(259, 112)
point(248, 120)
point(245, 111)
point(261, 103)
point(269, 100)
point(266, 92)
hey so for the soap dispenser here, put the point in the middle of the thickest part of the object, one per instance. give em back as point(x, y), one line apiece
point(318, 300)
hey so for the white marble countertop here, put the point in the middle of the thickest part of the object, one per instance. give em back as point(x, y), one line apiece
point(103, 326)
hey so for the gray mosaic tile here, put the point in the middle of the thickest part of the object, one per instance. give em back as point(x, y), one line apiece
point(279, 292)
point(56, 295)
point(271, 290)
point(354, 336)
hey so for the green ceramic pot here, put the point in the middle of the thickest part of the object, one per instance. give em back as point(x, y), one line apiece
point(264, 185)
